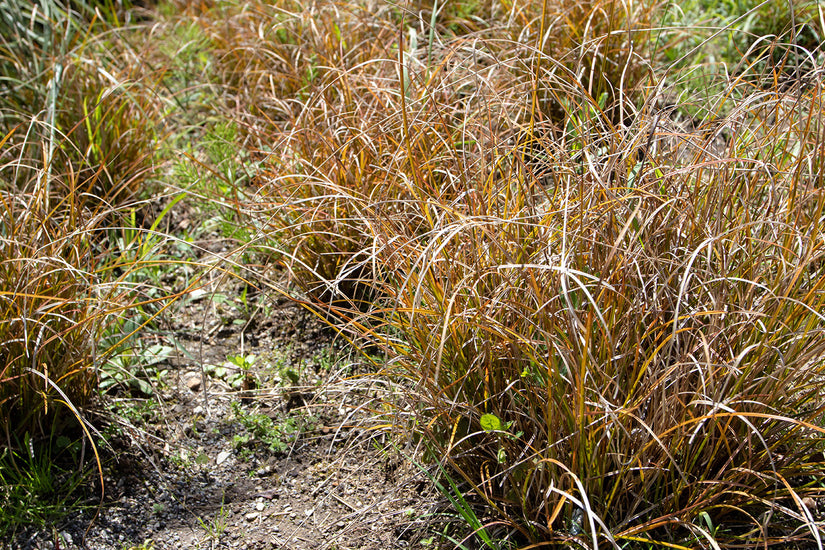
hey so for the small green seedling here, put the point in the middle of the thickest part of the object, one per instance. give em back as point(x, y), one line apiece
point(492, 423)
point(234, 370)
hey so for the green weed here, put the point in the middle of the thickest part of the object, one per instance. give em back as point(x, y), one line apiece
point(38, 483)
point(235, 371)
point(274, 434)
point(216, 525)
point(261, 427)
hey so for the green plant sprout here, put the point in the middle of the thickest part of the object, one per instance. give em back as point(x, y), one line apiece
point(234, 370)
point(215, 527)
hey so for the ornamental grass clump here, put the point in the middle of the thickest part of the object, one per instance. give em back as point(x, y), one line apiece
point(77, 154)
point(62, 284)
point(109, 129)
point(69, 102)
point(49, 318)
point(311, 77)
point(628, 348)
point(335, 136)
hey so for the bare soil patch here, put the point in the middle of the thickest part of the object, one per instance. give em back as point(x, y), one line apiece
point(291, 459)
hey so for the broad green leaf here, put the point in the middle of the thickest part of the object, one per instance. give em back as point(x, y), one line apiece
point(490, 422)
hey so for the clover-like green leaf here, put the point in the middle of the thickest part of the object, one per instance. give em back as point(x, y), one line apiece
point(490, 422)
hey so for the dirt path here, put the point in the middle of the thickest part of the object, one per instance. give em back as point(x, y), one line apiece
point(288, 458)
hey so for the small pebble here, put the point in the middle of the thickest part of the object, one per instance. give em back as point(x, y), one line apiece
point(810, 504)
point(222, 456)
point(251, 516)
point(193, 381)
